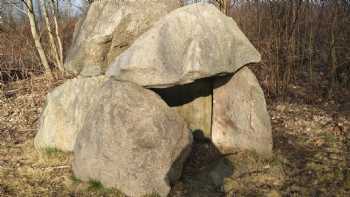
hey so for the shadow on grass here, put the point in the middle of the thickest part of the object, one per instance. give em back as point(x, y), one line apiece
point(310, 170)
point(205, 170)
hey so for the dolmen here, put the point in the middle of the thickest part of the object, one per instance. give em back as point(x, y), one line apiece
point(148, 74)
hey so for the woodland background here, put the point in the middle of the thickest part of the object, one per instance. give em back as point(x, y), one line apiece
point(305, 44)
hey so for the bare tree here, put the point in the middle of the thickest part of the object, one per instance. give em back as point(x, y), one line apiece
point(34, 29)
point(53, 46)
point(48, 11)
point(59, 40)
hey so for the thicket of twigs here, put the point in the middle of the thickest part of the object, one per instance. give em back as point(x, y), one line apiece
point(18, 55)
point(303, 43)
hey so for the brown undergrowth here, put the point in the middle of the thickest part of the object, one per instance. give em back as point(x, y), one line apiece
point(311, 154)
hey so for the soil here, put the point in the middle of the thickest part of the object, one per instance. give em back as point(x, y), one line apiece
point(311, 154)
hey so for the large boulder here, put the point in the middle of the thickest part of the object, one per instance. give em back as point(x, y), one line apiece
point(64, 113)
point(108, 28)
point(131, 140)
point(240, 117)
point(192, 42)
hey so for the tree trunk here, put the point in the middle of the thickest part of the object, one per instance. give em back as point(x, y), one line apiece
point(225, 6)
point(51, 39)
point(59, 41)
point(36, 37)
point(333, 53)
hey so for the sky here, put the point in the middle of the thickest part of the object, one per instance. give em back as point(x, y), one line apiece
point(71, 7)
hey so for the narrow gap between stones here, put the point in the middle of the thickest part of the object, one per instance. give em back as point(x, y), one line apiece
point(212, 108)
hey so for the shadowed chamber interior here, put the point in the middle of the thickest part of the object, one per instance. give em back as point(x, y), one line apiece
point(193, 101)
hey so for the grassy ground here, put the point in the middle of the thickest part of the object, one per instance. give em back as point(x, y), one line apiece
point(311, 146)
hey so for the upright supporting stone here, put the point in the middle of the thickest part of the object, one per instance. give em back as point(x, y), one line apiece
point(240, 117)
point(193, 102)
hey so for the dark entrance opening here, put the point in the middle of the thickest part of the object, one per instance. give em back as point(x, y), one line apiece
point(193, 101)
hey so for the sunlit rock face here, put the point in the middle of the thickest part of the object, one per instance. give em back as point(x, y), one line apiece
point(64, 113)
point(110, 27)
point(190, 43)
point(179, 58)
point(240, 116)
point(131, 140)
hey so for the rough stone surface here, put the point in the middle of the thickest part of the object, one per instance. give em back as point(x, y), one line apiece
point(63, 114)
point(192, 42)
point(131, 140)
point(193, 102)
point(110, 27)
point(240, 117)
